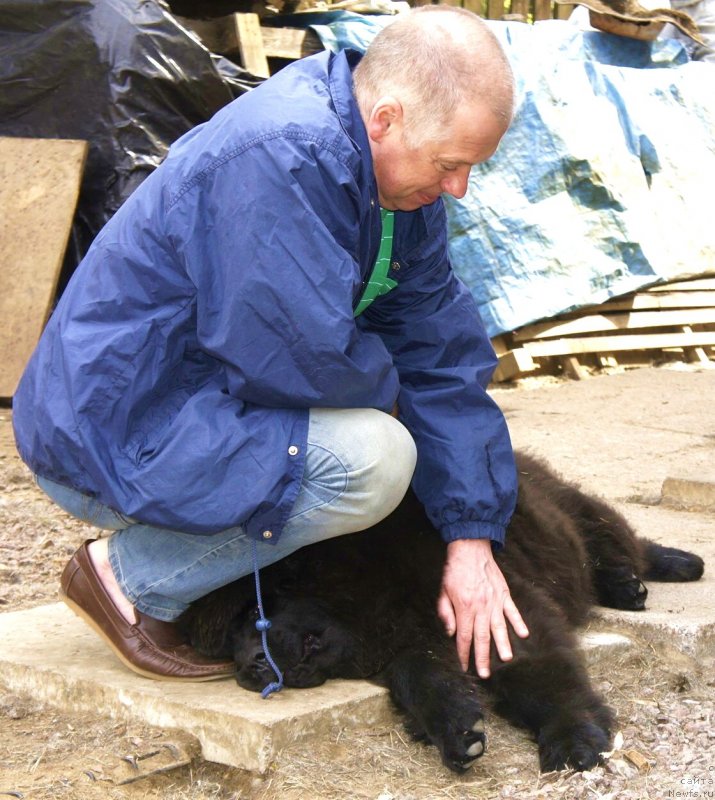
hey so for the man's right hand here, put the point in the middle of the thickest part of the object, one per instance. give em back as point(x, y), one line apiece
point(475, 603)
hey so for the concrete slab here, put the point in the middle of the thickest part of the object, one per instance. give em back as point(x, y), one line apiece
point(52, 655)
point(689, 493)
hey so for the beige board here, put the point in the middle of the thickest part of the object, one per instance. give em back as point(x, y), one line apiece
point(39, 187)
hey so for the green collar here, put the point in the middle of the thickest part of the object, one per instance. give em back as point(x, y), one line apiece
point(379, 283)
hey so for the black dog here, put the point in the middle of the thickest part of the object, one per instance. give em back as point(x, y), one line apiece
point(364, 606)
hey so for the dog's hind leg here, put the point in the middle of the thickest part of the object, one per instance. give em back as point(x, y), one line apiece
point(615, 555)
point(670, 563)
point(620, 559)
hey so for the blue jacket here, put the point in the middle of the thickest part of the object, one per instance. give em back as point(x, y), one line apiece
point(216, 308)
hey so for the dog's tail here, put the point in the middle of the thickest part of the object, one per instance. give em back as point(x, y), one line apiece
point(670, 564)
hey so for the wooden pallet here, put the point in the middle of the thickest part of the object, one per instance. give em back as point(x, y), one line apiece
point(672, 318)
point(242, 38)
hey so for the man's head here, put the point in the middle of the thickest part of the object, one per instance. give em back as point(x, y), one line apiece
point(436, 93)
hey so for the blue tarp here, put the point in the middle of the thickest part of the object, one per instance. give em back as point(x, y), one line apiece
point(604, 183)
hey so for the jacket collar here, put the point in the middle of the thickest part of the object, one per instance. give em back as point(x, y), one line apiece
point(340, 80)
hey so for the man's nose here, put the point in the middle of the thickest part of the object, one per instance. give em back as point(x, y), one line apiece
point(456, 183)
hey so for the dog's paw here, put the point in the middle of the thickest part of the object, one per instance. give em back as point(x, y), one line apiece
point(671, 564)
point(577, 745)
point(622, 588)
point(459, 730)
point(465, 747)
point(454, 724)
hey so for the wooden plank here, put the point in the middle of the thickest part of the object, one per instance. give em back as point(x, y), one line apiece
point(217, 35)
point(290, 43)
point(39, 186)
point(698, 284)
point(542, 9)
point(220, 36)
point(499, 343)
point(599, 323)
point(513, 363)
point(250, 44)
point(660, 300)
point(572, 367)
point(476, 6)
point(563, 10)
point(695, 355)
point(606, 344)
point(495, 9)
point(519, 10)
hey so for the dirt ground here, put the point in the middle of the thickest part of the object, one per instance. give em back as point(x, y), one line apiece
point(665, 747)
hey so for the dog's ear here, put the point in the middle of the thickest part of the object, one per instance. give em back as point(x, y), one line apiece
point(209, 620)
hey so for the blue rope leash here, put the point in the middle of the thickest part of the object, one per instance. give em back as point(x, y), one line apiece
point(262, 625)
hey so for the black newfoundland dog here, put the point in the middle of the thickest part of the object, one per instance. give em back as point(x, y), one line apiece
point(364, 606)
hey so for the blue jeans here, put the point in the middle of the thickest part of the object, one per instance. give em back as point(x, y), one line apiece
point(358, 466)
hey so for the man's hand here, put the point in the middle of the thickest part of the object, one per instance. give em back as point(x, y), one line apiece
point(475, 601)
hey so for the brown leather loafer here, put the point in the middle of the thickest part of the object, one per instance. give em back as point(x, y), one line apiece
point(150, 647)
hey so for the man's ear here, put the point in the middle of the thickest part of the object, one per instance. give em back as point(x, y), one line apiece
point(386, 118)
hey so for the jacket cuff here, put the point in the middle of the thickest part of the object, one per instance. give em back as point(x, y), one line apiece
point(475, 530)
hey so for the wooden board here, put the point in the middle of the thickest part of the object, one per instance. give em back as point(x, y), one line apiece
point(290, 43)
point(519, 10)
point(672, 319)
point(512, 363)
point(250, 44)
point(236, 37)
point(609, 344)
point(495, 9)
point(694, 285)
point(563, 10)
point(39, 187)
point(602, 323)
point(542, 10)
point(661, 299)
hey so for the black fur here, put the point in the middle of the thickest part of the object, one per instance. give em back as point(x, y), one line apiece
point(363, 606)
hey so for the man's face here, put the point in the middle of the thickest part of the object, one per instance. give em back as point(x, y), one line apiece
point(410, 178)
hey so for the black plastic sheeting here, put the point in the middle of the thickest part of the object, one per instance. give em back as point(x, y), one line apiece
point(122, 74)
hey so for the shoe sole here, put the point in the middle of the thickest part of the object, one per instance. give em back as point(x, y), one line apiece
point(80, 612)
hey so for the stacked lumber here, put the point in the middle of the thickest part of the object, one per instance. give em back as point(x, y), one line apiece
point(242, 38)
point(671, 320)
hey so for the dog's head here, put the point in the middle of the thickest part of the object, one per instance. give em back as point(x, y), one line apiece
point(308, 643)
